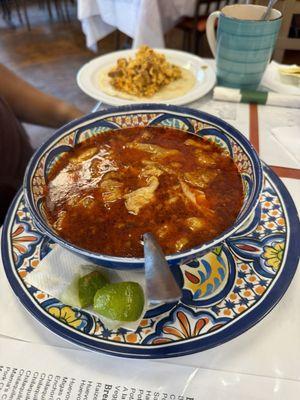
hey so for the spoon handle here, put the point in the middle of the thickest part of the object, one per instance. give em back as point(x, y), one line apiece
point(160, 283)
point(267, 13)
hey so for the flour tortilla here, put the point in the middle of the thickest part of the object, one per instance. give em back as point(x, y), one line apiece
point(174, 89)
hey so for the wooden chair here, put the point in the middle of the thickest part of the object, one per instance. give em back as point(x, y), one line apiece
point(61, 8)
point(7, 7)
point(20, 6)
point(194, 27)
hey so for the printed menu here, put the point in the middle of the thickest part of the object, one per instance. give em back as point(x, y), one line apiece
point(38, 372)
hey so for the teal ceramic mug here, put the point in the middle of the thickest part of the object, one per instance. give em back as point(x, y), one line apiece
point(244, 43)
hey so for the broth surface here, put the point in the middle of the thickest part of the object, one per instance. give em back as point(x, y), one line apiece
point(109, 190)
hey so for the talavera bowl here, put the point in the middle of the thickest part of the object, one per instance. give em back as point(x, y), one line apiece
point(192, 121)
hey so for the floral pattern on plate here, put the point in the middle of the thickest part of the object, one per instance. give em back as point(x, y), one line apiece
point(221, 291)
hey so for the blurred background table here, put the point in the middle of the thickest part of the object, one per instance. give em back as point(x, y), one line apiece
point(145, 21)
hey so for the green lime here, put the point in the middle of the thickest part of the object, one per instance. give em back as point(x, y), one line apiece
point(122, 301)
point(88, 286)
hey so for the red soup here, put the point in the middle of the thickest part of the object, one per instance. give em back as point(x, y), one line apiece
point(109, 190)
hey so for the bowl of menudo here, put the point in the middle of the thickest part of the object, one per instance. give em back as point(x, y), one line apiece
point(101, 182)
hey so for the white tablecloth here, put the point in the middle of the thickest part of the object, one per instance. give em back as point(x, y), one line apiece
point(145, 21)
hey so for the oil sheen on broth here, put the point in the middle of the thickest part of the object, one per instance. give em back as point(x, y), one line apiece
point(109, 190)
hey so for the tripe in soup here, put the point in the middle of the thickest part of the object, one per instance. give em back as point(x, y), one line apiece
point(112, 188)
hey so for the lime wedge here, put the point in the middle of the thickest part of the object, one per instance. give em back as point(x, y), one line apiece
point(88, 286)
point(122, 301)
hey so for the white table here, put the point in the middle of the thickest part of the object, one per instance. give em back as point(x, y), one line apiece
point(145, 21)
point(263, 363)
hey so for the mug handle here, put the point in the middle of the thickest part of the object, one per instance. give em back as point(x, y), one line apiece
point(210, 31)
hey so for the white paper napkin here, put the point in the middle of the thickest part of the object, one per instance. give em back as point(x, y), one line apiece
point(271, 80)
point(60, 268)
point(289, 138)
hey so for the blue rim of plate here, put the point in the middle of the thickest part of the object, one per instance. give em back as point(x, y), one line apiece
point(178, 348)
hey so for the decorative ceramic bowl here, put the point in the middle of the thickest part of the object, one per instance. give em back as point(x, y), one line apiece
point(191, 121)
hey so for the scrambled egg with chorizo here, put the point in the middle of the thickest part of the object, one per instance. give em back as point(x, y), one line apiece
point(145, 74)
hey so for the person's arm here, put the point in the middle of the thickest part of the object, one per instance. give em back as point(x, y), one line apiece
point(33, 106)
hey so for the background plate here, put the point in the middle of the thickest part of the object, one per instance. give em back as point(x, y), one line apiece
point(87, 77)
point(224, 293)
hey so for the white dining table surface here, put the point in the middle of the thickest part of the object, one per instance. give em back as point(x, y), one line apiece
point(263, 362)
point(145, 21)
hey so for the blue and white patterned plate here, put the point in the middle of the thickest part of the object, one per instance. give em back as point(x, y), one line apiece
point(224, 293)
